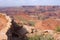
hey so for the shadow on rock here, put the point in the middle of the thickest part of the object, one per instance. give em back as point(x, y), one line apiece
point(16, 32)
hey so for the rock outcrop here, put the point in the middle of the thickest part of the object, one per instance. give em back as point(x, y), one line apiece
point(5, 23)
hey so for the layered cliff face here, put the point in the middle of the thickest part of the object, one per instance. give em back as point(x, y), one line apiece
point(5, 23)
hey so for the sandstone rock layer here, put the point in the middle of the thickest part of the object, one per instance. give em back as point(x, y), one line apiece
point(5, 23)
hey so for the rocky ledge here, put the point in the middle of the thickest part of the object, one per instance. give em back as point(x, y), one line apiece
point(5, 23)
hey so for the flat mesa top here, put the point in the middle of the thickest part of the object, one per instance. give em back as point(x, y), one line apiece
point(3, 21)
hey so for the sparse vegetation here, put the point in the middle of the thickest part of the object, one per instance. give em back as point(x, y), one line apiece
point(31, 23)
point(20, 18)
point(58, 29)
point(42, 37)
point(34, 38)
point(23, 20)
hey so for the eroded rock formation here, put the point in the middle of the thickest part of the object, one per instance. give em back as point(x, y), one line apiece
point(5, 23)
point(10, 28)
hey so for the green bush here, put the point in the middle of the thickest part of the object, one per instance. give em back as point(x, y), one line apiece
point(31, 23)
point(34, 38)
point(41, 37)
point(58, 29)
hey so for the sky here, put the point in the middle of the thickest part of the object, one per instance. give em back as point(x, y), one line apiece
point(11, 3)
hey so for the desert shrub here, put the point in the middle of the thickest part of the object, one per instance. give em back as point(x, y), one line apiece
point(46, 37)
point(25, 22)
point(19, 17)
point(58, 29)
point(31, 23)
point(34, 38)
point(41, 37)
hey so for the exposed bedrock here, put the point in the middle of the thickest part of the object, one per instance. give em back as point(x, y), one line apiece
point(5, 23)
